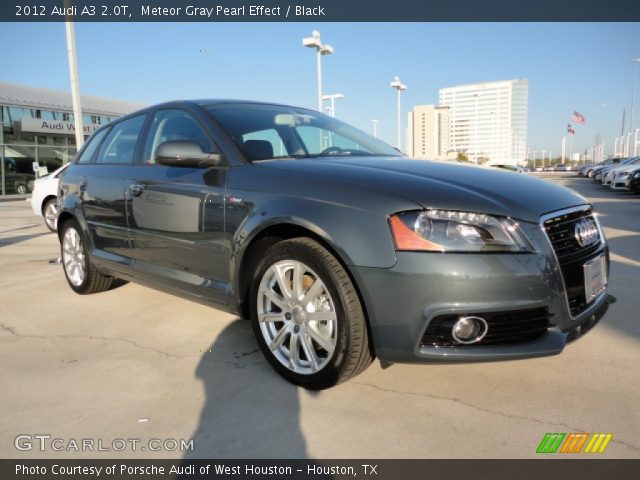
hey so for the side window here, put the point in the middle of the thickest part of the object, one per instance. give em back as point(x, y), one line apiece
point(173, 124)
point(120, 144)
point(92, 146)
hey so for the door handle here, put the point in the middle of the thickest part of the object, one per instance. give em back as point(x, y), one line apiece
point(136, 189)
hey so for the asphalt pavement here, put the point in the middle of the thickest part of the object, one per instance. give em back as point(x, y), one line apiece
point(134, 363)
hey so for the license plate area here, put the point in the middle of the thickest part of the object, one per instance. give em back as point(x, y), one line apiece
point(595, 277)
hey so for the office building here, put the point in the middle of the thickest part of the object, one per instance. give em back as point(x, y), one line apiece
point(488, 121)
point(428, 136)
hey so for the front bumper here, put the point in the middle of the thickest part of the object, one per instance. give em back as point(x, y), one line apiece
point(403, 300)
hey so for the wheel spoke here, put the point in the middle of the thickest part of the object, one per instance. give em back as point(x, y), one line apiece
point(270, 317)
point(309, 353)
point(282, 282)
point(297, 279)
point(279, 338)
point(294, 352)
point(314, 290)
point(322, 341)
point(274, 297)
point(322, 316)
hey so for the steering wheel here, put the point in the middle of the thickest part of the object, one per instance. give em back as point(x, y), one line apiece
point(330, 150)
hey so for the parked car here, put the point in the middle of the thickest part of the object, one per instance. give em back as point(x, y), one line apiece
point(338, 248)
point(561, 167)
point(609, 173)
point(587, 170)
point(598, 173)
point(634, 182)
point(44, 199)
point(548, 168)
point(621, 179)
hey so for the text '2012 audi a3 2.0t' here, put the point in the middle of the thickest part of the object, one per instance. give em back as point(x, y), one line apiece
point(338, 248)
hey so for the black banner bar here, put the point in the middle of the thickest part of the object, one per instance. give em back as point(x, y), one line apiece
point(543, 469)
point(319, 10)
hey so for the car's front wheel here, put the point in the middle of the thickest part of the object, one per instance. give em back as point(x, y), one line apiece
point(81, 275)
point(307, 316)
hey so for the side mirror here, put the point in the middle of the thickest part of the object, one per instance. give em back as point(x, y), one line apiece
point(185, 153)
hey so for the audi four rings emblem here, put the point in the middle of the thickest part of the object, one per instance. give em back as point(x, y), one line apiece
point(586, 232)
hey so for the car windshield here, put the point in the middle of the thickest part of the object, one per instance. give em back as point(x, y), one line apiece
point(264, 132)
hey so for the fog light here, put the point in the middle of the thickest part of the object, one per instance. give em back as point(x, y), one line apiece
point(469, 330)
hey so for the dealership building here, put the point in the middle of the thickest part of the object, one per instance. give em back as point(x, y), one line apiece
point(38, 133)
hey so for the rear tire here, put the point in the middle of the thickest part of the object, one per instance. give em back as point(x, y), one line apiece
point(307, 316)
point(82, 276)
point(50, 214)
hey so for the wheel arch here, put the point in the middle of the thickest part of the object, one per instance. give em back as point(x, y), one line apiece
point(269, 236)
point(45, 200)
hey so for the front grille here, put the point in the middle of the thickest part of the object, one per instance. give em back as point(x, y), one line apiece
point(571, 256)
point(509, 327)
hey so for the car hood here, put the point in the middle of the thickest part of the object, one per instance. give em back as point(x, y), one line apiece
point(441, 184)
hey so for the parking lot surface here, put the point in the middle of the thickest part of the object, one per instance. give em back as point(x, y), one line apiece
point(134, 363)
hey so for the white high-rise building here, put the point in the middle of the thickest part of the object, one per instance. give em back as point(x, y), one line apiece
point(428, 132)
point(489, 120)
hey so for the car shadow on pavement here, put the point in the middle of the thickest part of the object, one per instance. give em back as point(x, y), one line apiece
point(6, 241)
point(249, 411)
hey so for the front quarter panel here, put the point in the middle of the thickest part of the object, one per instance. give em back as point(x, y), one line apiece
point(353, 221)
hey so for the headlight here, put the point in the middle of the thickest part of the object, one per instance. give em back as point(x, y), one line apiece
point(637, 174)
point(452, 231)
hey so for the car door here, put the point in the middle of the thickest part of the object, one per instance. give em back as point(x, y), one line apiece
point(102, 188)
point(176, 213)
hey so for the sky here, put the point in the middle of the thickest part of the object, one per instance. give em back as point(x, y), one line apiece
point(570, 66)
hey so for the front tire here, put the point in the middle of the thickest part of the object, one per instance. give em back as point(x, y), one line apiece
point(82, 276)
point(307, 316)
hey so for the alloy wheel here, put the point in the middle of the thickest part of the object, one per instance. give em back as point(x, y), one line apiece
point(297, 317)
point(51, 214)
point(73, 257)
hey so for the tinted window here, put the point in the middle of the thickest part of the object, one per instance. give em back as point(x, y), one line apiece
point(272, 131)
point(92, 146)
point(173, 124)
point(120, 144)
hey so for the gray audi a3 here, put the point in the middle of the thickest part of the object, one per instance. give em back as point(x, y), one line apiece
point(336, 247)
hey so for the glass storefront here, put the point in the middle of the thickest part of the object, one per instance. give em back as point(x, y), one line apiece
point(20, 149)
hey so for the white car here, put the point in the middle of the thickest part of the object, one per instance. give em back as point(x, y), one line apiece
point(44, 198)
point(622, 178)
point(607, 178)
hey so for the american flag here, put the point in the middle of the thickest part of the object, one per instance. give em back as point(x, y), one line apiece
point(578, 118)
point(570, 129)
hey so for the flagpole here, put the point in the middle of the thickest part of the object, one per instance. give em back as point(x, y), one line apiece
point(571, 146)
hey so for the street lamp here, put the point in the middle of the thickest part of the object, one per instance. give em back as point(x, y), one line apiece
point(326, 49)
point(375, 128)
point(398, 87)
point(333, 98)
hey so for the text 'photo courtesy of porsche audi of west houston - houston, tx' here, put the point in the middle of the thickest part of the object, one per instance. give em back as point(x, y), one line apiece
point(338, 248)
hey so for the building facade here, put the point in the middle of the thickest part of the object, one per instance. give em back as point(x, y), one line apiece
point(38, 133)
point(429, 128)
point(488, 121)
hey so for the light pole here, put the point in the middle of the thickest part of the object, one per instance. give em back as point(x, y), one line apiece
point(333, 98)
point(326, 49)
point(475, 134)
point(75, 82)
point(634, 62)
point(398, 87)
point(564, 143)
point(375, 128)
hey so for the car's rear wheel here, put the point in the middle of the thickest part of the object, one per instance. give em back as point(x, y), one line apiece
point(307, 316)
point(50, 214)
point(22, 189)
point(81, 275)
